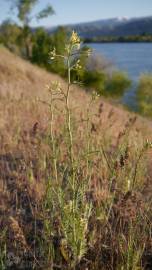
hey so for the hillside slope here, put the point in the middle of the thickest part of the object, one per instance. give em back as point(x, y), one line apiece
point(27, 168)
point(20, 82)
point(22, 95)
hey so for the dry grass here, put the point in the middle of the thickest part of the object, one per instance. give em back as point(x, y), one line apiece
point(24, 122)
point(21, 84)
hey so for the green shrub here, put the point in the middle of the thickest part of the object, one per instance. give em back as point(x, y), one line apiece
point(144, 94)
point(58, 41)
point(105, 85)
point(95, 80)
point(117, 84)
point(41, 46)
point(9, 35)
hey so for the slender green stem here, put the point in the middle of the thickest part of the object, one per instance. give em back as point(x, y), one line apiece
point(71, 154)
point(68, 111)
point(68, 116)
point(52, 140)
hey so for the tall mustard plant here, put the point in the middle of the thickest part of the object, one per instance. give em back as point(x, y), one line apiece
point(68, 202)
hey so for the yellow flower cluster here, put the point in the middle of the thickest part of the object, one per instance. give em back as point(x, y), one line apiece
point(53, 54)
point(78, 65)
point(74, 38)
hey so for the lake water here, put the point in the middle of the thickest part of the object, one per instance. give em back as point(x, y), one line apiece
point(133, 58)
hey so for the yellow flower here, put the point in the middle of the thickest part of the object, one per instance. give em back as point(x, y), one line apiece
point(75, 40)
point(53, 54)
point(78, 65)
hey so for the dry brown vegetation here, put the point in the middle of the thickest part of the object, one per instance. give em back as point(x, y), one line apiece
point(25, 167)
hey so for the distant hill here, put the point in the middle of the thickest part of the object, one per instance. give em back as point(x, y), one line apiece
point(112, 27)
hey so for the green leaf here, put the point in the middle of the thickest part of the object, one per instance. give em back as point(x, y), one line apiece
point(45, 12)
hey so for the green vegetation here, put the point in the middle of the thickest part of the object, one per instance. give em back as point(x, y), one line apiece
point(144, 95)
point(10, 36)
point(108, 39)
point(42, 43)
point(24, 8)
point(35, 45)
point(116, 84)
point(106, 85)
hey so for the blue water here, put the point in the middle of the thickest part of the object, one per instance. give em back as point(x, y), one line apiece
point(133, 58)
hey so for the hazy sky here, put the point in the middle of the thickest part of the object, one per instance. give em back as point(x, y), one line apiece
point(72, 11)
